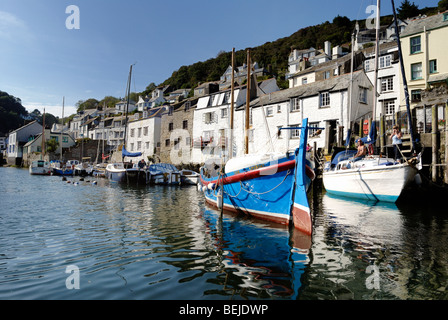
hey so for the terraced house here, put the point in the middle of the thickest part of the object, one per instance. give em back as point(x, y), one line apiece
point(425, 47)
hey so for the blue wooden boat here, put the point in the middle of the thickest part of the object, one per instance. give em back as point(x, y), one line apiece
point(272, 187)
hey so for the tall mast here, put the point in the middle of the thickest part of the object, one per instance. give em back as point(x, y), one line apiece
point(43, 136)
point(62, 126)
point(403, 74)
point(377, 54)
point(128, 89)
point(247, 104)
point(232, 104)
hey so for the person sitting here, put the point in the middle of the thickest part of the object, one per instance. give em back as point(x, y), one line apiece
point(397, 142)
point(362, 151)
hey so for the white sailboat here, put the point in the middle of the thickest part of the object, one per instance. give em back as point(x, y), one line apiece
point(373, 177)
point(118, 172)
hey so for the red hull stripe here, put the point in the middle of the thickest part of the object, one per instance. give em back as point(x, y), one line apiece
point(260, 172)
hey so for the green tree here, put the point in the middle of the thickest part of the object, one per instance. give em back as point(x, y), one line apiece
point(408, 10)
point(108, 101)
point(11, 112)
point(443, 5)
point(87, 104)
point(52, 145)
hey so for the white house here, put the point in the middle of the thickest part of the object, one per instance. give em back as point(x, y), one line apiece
point(143, 133)
point(35, 145)
point(81, 118)
point(120, 107)
point(211, 129)
point(389, 78)
point(17, 140)
point(325, 103)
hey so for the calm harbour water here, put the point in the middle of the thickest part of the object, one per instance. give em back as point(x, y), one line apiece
point(164, 243)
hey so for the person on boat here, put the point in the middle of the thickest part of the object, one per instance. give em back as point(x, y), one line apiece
point(362, 151)
point(397, 142)
point(141, 164)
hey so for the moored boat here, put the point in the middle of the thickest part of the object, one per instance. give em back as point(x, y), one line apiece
point(189, 177)
point(164, 174)
point(40, 167)
point(270, 187)
point(60, 169)
point(117, 171)
point(373, 178)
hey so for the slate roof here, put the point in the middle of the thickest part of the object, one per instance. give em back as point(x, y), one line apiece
point(417, 26)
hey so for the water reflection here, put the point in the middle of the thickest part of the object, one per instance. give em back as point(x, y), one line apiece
point(352, 236)
point(164, 243)
point(257, 259)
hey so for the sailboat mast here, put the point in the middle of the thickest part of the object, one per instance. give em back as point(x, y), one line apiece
point(128, 89)
point(247, 104)
point(405, 82)
point(43, 136)
point(62, 126)
point(232, 105)
point(377, 54)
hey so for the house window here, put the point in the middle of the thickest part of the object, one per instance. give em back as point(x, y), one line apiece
point(362, 95)
point(385, 61)
point(269, 111)
point(295, 133)
point(224, 113)
point(416, 45)
point(139, 145)
point(304, 80)
point(416, 95)
point(65, 139)
point(139, 132)
point(279, 132)
point(389, 107)
point(209, 117)
point(312, 128)
point(145, 131)
point(132, 132)
point(187, 105)
point(185, 124)
point(132, 147)
point(170, 126)
point(325, 99)
point(167, 142)
point(445, 17)
point(416, 71)
point(176, 144)
point(433, 66)
point(368, 65)
point(295, 104)
point(327, 75)
point(279, 109)
point(170, 111)
point(387, 84)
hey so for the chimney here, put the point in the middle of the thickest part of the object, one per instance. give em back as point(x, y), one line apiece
point(327, 48)
point(337, 52)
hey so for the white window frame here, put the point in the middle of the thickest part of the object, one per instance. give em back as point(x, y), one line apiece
point(324, 99)
point(387, 84)
point(295, 105)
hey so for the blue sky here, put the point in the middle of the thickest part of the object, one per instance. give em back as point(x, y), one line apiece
point(41, 60)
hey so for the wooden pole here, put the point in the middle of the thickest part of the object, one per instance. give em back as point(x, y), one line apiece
point(434, 143)
point(247, 104)
point(232, 105)
point(382, 134)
